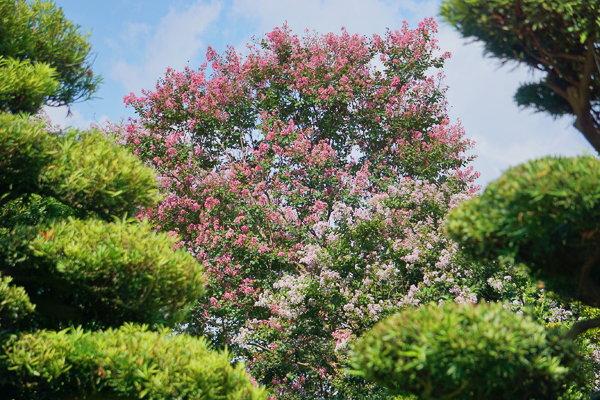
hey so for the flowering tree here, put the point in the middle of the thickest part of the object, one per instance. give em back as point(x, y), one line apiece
point(312, 186)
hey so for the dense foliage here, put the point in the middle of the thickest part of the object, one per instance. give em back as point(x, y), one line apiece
point(546, 214)
point(71, 255)
point(558, 37)
point(541, 215)
point(66, 167)
point(130, 362)
point(313, 187)
point(468, 351)
point(38, 33)
point(24, 86)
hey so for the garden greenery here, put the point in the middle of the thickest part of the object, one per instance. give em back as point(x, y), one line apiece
point(88, 295)
point(313, 188)
point(469, 351)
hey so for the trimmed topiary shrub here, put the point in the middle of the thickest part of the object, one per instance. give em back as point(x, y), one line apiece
point(130, 362)
point(545, 214)
point(77, 276)
point(101, 274)
point(468, 352)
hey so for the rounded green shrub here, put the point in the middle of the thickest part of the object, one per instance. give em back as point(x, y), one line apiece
point(545, 214)
point(25, 86)
point(80, 169)
point(129, 362)
point(88, 172)
point(467, 352)
point(24, 153)
point(108, 273)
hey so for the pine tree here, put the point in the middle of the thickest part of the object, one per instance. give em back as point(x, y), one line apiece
point(88, 294)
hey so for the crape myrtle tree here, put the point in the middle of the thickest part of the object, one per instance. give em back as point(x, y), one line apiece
point(87, 296)
point(560, 38)
point(545, 216)
point(312, 187)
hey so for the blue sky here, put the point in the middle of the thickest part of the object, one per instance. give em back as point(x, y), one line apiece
point(134, 41)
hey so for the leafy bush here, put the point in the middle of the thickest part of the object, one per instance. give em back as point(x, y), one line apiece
point(14, 303)
point(106, 273)
point(544, 213)
point(81, 169)
point(129, 361)
point(70, 257)
point(24, 85)
point(468, 352)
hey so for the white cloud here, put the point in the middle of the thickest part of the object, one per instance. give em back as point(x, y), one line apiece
point(173, 43)
point(358, 16)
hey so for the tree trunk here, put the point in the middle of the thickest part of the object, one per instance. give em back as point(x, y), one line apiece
point(585, 124)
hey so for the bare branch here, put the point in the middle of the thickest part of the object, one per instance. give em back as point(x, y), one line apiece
point(260, 346)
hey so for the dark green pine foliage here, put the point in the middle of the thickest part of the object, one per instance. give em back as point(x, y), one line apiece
point(88, 294)
point(560, 38)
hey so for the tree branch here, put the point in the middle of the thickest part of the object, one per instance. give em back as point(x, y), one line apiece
point(582, 326)
point(260, 346)
point(559, 91)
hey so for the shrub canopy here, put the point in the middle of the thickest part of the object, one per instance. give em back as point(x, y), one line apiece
point(468, 352)
point(544, 213)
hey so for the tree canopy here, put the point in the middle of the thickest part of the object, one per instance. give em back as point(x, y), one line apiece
point(313, 188)
point(37, 34)
point(558, 37)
